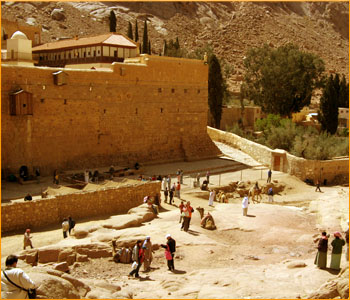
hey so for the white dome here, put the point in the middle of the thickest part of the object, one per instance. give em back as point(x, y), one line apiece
point(18, 35)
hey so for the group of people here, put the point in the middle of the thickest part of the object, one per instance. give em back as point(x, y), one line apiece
point(337, 247)
point(175, 189)
point(142, 254)
point(186, 211)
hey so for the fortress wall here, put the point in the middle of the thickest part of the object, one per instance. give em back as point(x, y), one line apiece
point(51, 211)
point(135, 112)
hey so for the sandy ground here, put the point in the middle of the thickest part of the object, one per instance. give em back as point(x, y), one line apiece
point(247, 257)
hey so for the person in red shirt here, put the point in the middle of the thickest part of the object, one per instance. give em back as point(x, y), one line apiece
point(137, 257)
point(178, 188)
point(181, 207)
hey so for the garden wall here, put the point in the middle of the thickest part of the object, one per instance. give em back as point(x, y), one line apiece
point(335, 171)
point(50, 211)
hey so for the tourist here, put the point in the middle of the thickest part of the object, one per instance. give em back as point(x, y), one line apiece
point(86, 176)
point(14, 281)
point(318, 186)
point(145, 199)
point(147, 249)
point(181, 207)
point(166, 193)
point(337, 245)
point(65, 227)
point(168, 180)
point(269, 174)
point(137, 166)
point(178, 172)
point(245, 203)
point(347, 242)
point(159, 178)
point(71, 223)
point(211, 197)
point(188, 210)
point(321, 256)
point(170, 247)
point(198, 178)
point(270, 194)
point(181, 176)
point(178, 188)
point(27, 240)
point(164, 184)
point(208, 175)
point(171, 196)
point(95, 176)
point(28, 197)
point(137, 257)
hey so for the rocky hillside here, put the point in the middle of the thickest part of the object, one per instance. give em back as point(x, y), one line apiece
point(229, 27)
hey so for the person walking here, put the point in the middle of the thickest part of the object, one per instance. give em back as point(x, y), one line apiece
point(245, 203)
point(27, 240)
point(270, 194)
point(181, 207)
point(318, 186)
point(15, 283)
point(56, 177)
point(178, 188)
point(65, 227)
point(168, 180)
point(86, 176)
point(198, 178)
point(321, 256)
point(71, 223)
point(171, 196)
point(269, 174)
point(170, 248)
point(163, 183)
point(148, 257)
point(337, 245)
point(166, 193)
point(181, 176)
point(211, 197)
point(137, 257)
point(188, 210)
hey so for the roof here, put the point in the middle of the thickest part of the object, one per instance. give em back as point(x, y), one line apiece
point(110, 39)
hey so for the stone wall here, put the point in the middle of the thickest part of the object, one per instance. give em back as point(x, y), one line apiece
point(154, 110)
point(231, 115)
point(50, 211)
point(334, 171)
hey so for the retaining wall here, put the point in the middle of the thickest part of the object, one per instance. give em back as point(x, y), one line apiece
point(49, 211)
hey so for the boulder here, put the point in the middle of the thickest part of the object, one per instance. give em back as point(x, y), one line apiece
point(67, 255)
point(58, 14)
point(296, 264)
point(81, 233)
point(82, 258)
point(32, 257)
point(80, 286)
point(94, 250)
point(124, 221)
point(113, 288)
point(53, 287)
point(48, 254)
point(343, 288)
point(63, 267)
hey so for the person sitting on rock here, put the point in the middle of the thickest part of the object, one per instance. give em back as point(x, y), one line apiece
point(208, 222)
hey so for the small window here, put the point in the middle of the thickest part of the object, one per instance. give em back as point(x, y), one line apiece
point(161, 110)
point(173, 91)
point(65, 101)
point(198, 91)
point(185, 91)
point(136, 111)
point(159, 90)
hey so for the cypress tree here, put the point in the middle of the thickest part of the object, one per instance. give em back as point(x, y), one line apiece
point(343, 93)
point(145, 39)
point(149, 47)
point(130, 35)
point(177, 44)
point(136, 32)
point(215, 89)
point(165, 48)
point(328, 113)
point(112, 22)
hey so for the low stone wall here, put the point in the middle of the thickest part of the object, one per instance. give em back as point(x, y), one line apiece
point(49, 211)
point(335, 171)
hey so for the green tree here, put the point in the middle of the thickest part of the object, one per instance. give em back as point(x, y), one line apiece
point(136, 32)
point(145, 39)
point(112, 22)
point(329, 103)
point(177, 44)
point(149, 47)
point(215, 90)
point(165, 48)
point(129, 34)
point(281, 80)
point(343, 93)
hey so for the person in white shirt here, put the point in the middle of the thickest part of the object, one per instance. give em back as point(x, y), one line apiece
point(211, 197)
point(17, 276)
point(65, 227)
point(245, 203)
